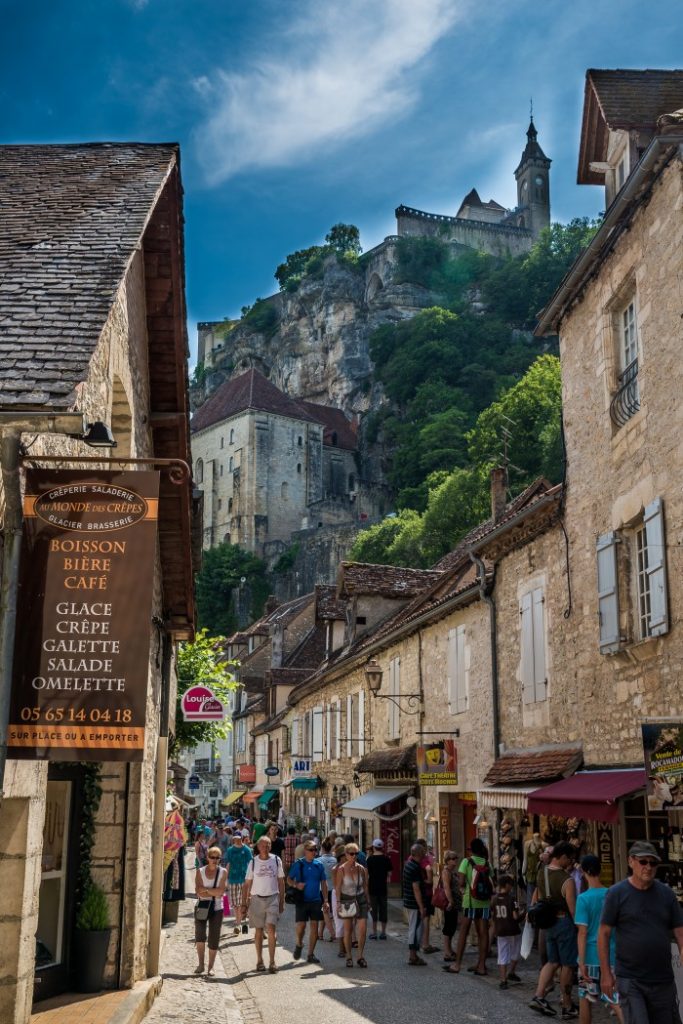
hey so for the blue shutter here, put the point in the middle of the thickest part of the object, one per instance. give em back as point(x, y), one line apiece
point(608, 593)
point(656, 567)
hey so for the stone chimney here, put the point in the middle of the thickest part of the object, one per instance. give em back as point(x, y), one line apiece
point(499, 488)
point(271, 604)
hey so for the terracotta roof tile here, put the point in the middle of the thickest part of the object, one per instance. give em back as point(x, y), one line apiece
point(72, 216)
point(311, 651)
point(327, 604)
point(534, 766)
point(384, 580)
point(251, 390)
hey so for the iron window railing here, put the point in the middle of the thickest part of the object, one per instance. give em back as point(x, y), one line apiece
point(626, 401)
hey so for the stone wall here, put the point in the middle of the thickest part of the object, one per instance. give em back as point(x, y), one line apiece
point(496, 239)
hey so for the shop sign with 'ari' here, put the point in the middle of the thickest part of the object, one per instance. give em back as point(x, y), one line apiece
point(81, 652)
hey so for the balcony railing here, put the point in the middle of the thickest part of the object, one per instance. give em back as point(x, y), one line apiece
point(626, 402)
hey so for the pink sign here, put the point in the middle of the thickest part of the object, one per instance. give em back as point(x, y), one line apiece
point(200, 705)
point(390, 832)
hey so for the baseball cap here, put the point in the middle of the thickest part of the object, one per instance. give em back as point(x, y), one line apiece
point(245, 833)
point(643, 849)
point(378, 843)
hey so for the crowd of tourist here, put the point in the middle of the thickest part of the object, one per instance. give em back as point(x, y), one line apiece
point(613, 944)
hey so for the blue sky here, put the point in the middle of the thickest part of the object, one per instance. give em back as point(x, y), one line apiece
point(295, 114)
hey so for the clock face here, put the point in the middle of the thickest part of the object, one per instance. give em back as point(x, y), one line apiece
point(538, 179)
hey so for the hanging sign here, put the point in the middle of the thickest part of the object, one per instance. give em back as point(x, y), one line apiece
point(271, 770)
point(437, 763)
point(81, 655)
point(200, 705)
point(663, 750)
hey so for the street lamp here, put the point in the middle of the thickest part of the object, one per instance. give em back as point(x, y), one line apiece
point(374, 673)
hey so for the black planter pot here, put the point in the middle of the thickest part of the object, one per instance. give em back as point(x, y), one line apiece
point(90, 949)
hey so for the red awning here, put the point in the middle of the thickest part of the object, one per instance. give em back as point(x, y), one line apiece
point(253, 797)
point(590, 795)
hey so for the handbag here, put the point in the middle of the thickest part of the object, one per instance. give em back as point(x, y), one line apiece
point(347, 909)
point(543, 913)
point(440, 897)
point(202, 908)
point(294, 895)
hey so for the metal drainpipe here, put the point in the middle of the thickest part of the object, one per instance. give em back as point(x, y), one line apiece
point(486, 597)
point(9, 461)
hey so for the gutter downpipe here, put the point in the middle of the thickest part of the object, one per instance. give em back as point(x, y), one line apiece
point(484, 593)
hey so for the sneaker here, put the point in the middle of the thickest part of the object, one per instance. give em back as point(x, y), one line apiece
point(297, 952)
point(502, 984)
point(570, 1012)
point(514, 977)
point(542, 1006)
point(383, 935)
point(245, 929)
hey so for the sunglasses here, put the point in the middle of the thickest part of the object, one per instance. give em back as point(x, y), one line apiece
point(647, 863)
point(214, 858)
point(349, 854)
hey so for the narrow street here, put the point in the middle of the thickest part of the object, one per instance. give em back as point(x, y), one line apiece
point(387, 991)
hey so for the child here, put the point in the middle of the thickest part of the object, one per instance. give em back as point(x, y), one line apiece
point(506, 916)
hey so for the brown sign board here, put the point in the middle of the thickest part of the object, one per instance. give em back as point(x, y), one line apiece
point(81, 653)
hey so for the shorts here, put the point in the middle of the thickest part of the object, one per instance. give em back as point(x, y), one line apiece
point(477, 913)
point(450, 923)
point(213, 923)
point(509, 949)
point(379, 907)
point(560, 943)
point(235, 895)
point(309, 910)
point(360, 902)
point(264, 910)
point(589, 985)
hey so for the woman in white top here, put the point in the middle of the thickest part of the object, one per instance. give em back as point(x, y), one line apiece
point(351, 886)
point(210, 883)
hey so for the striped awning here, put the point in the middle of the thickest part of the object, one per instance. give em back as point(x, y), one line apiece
point(505, 798)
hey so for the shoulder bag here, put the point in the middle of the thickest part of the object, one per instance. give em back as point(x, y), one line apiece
point(543, 913)
point(294, 895)
point(202, 908)
point(350, 907)
point(440, 896)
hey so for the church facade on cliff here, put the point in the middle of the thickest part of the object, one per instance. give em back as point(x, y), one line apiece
point(488, 226)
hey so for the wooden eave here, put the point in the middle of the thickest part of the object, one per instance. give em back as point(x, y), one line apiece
point(594, 138)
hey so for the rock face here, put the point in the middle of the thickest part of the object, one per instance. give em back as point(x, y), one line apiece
point(320, 349)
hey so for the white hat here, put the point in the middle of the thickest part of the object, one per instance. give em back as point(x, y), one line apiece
point(378, 843)
point(245, 833)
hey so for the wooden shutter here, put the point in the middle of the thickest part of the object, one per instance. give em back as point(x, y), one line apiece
point(361, 723)
point(461, 671)
point(395, 690)
point(349, 725)
point(538, 621)
point(608, 593)
point(295, 734)
point(452, 670)
point(656, 567)
point(317, 730)
point(328, 733)
point(526, 622)
point(337, 738)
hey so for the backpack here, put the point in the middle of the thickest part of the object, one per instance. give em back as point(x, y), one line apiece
point(481, 886)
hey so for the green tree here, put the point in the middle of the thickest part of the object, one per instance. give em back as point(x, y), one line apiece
point(202, 663)
point(223, 569)
point(390, 539)
point(294, 266)
point(344, 238)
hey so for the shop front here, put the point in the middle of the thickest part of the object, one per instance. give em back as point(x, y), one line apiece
point(388, 813)
point(307, 802)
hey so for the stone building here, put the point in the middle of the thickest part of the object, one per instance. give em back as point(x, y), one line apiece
point(92, 320)
point(488, 226)
point(270, 465)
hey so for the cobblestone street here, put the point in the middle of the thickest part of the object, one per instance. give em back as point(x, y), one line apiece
point(331, 992)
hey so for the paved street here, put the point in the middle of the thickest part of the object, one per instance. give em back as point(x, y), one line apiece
point(387, 990)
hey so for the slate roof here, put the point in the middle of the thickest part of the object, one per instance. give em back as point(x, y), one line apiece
point(251, 390)
point(393, 759)
point(72, 217)
point(383, 580)
point(338, 432)
point(327, 604)
point(534, 766)
point(311, 651)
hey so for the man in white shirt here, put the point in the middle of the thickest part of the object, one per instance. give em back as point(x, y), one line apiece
point(264, 893)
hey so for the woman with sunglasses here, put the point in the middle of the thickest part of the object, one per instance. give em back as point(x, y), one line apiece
point(210, 884)
point(351, 886)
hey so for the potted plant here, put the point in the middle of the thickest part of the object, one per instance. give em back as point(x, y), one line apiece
point(93, 930)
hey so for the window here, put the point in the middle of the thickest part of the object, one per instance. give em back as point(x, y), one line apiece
point(229, 504)
point(332, 731)
point(628, 336)
point(355, 724)
point(295, 737)
point(232, 436)
point(199, 471)
point(220, 504)
point(361, 723)
point(458, 697)
point(298, 467)
point(349, 725)
point(231, 464)
point(300, 441)
point(221, 470)
point(361, 620)
point(394, 691)
point(647, 603)
point(532, 627)
point(284, 488)
point(626, 401)
point(222, 442)
point(317, 734)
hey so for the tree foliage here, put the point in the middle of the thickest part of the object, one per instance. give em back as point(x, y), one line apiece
point(344, 238)
point(202, 663)
point(342, 241)
point(223, 569)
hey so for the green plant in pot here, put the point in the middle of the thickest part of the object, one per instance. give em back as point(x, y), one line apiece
point(93, 930)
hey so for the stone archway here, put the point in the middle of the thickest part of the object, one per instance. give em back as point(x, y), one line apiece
point(375, 285)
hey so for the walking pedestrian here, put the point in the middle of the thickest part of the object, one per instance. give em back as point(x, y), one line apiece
point(414, 902)
point(201, 848)
point(474, 880)
point(351, 885)
point(263, 893)
point(339, 852)
point(506, 915)
point(378, 867)
point(329, 862)
point(427, 865)
point(238, 859)
point(449, 881)
point(642, 912)
point(589, 905)
point(555, 885)
point(291, 843)
point(308, 875)
point(210, 882)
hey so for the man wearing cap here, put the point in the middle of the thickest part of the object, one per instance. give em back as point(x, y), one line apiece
point(379, 871)
point(642, 912)
point(308, 875)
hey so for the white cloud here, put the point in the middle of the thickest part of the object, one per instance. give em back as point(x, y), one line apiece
point(348, 67)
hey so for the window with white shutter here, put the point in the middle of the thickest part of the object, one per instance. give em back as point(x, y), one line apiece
point(458, 695)
point(608, 593)
point(349, 725)
point(394, 730)
point(337, 730)
point(317, 730)
point(361, 723)
point(355, 725)
point(328, 733)
point(532, 643)
point(653, 519)
point(296, 737)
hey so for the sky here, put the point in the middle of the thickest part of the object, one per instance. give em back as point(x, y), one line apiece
point(293, 115)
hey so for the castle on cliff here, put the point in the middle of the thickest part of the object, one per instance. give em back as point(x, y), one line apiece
point(490, 227)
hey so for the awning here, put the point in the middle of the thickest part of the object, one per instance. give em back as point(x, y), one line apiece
point(314, 783)
point(505, 798)
point(365, 806)
point(265, 797)
point(590, 795)
point(252, 796)
point(233, 797)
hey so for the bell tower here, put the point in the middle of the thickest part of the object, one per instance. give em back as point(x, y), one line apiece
point(533, 185)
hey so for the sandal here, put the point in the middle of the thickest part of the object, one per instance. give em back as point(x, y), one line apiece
point(272, 969)
point(449, 959)
point(349, 962)
point(260, 966)
point(361, 961)
point(417, 962)
point(450, 970)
